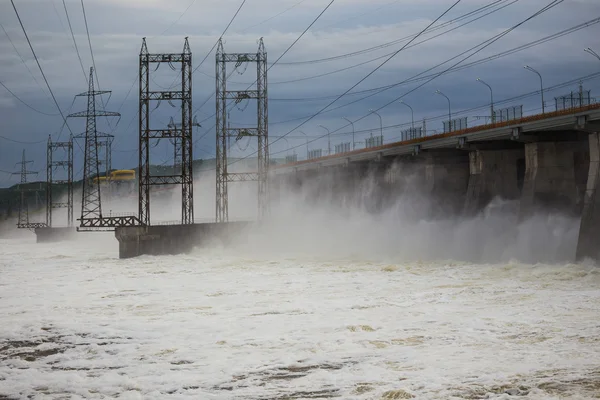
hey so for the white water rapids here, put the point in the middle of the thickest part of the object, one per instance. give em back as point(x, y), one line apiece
point(76, 322)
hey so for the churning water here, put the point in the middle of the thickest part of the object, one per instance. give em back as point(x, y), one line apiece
point(78, 323)
point(323, 301)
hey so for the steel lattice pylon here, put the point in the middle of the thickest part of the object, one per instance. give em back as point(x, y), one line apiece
point(181, 137)
point(91, 205)
point(104, 141)
point(224, 131)
point(23, 221)
point(51, 166)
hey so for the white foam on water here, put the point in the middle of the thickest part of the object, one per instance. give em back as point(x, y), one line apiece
point(223, 324)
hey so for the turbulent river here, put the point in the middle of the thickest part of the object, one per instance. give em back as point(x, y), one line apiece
point(76, 322)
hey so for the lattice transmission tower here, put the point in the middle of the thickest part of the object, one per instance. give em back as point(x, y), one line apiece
point(91, 205)
point(105, 141)
point(23, 221)
point(66, 165)
point(225, 131)
point(179, 135)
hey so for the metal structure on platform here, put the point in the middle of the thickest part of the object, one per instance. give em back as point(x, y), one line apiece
point(509, 113)
point(91, 203)
point(23, 221)
point(455, 124)
point(64, 163)
point(581, 98)
point(178, 155)
point(225, 132)
point(411, 133)
point(181, 137)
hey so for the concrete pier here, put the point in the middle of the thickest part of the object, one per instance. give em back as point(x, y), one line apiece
point(589, 231)
point(446, 178)
point(493, 173)
point(55, 234)
point(173, 239)
point(555, 177)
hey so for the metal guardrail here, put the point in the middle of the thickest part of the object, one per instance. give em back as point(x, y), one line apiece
point(479, 128)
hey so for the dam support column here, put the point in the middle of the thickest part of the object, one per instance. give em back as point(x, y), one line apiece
point(493, 173)
point(555, 177)
point(588, 245)
point(446, 179)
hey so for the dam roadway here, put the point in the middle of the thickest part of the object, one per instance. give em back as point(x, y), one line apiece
point(549, 162)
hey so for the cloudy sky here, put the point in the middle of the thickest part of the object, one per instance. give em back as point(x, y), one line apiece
point(348, 41)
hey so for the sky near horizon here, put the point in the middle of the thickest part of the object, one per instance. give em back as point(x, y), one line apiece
point(361, 32)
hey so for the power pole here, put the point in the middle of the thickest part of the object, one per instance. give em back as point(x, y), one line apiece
point(23, 221)
point(104, 151)
point(225, 132)
point(181, 137)
point(51, 166)
point(91, 205)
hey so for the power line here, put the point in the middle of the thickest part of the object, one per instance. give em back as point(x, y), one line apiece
point(403, 39)
point(23, 60)
point(489, 42)
point(481, 46)
point(75, 42)
point(428, 78)
point(39, 66)
point(387, 55)
point(136, 77)
point(224, 31)
point(24, 103)
point(496, 56)
point(430, 119)
point(279, 58)
point(22, 142)
point(360, 15)
point(302, 34)
point(461, 112)
point(94, 64)
point(372, 72)
point(411, 37)
point(199, 65)
point(90, 44)
point(443, 25)
point(178, 19)
point(273, 17)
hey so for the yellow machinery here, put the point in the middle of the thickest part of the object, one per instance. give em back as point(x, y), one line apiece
point(101, 179)
point(119, 175)
point(122, 175)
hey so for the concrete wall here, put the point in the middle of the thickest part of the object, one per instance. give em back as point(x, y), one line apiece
point(493, 173)
point(589, 231)
point(554, 177)
point(445, 181)
point(173, 239)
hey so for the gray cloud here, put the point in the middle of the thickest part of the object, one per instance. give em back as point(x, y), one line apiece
point(117, 27)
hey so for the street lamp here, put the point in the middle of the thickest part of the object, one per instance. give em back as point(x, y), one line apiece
point(449, 112)
point(412, 114)
point(541, 85)
point(592, 52)
point(306, 143)
point(380, 124)
point(492, 117)
point(351, 123)
point(328, 139)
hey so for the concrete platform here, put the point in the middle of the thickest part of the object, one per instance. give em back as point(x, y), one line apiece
point(173, 239)
point(55, 234)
